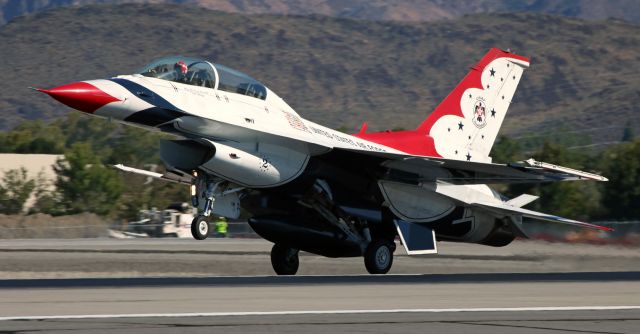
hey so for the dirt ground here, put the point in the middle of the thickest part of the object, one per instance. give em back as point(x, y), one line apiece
point(84, 225)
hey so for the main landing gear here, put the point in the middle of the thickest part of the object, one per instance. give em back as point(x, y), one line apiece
point(284, 259)
point(378, 258)
point(332, 232)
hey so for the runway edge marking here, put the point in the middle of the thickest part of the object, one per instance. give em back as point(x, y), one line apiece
point(320, 312)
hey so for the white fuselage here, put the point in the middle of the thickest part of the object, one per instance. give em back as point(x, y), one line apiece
point(225, 116)
point(269, 127)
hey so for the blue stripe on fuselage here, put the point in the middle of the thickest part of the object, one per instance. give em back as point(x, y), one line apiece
point(145, 94)
point(162, 112)
point(153, 116)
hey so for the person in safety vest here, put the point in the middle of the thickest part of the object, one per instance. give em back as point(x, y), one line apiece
point(221, 227)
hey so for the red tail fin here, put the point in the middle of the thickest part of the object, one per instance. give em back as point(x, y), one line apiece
point(465, 124)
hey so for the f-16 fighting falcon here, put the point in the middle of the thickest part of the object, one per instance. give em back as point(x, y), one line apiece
point(307, 187)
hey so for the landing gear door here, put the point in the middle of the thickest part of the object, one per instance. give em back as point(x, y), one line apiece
point(227, 206)
point(416, 238)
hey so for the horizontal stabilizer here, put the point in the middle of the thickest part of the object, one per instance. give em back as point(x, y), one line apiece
point(507, 209)
point(466, 196)
point(566, 170)
point(168, 176)
point(416, 238)
point(522, 200)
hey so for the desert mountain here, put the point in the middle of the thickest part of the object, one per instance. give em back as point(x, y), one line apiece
point(339, 72)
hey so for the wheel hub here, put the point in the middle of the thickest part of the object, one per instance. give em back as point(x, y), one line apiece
point(291, 256)
point(203, 226)
point(382, 257)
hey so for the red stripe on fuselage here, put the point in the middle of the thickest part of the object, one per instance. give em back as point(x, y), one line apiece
point(411, 142)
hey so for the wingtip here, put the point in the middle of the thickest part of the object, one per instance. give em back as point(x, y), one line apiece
point(599, 178)
point(600, 227)
point(607, 229)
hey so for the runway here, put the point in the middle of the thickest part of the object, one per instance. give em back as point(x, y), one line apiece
point(496, 303)
point(502, 322)
point(455, 301)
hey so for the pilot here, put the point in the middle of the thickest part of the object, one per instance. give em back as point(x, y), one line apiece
point(180, 69)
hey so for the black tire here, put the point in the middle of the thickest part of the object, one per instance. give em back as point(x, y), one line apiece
point(379, 256)
point(200, 228)
point(284, 259)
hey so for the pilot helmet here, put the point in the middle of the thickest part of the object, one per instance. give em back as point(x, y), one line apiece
point(182, 66)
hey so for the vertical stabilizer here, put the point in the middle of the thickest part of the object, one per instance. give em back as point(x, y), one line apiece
point(465, 124)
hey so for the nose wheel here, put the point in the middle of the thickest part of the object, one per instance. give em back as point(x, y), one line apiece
point(200, 228)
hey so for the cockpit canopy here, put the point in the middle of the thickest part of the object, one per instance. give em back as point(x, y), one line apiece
point(197, 72)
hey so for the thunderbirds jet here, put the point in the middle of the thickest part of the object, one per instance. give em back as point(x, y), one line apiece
point(311, 188)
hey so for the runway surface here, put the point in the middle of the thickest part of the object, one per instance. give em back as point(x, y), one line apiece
point(502, 322)
point(489, 303)
point(542, 299)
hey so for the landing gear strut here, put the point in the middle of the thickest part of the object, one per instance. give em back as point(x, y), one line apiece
point(379, 256)
point(284, 259)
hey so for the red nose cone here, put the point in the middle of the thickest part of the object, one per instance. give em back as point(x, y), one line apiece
point(80, 96)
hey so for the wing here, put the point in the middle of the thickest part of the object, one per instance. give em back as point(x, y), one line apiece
point(419, 168)
point(450, 175)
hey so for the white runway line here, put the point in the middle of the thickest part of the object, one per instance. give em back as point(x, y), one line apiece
point(321, 312)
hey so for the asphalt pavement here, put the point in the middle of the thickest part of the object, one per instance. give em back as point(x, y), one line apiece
point(493, 295)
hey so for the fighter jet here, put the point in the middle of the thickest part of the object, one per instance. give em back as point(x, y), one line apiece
point(308, 187)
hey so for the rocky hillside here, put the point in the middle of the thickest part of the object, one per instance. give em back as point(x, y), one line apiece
point(340, 72)
point(397, 10)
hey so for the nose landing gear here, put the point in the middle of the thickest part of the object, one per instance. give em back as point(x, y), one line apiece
point(210, 194)
point(205, 188)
